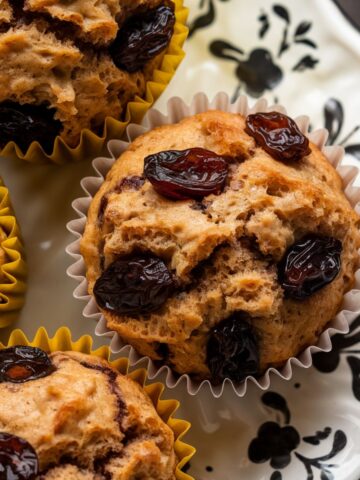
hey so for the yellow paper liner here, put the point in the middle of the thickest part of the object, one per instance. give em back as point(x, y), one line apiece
point(92, 144)
point(62, 341)
point(13, 271)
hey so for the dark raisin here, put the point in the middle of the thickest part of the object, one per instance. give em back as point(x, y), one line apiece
point(18, 459)
point(21, 364)
point(198, 206)
point(309, 265)
point(134, 285)
point(24, 124)
point(232, 350)
point(130, 183)
point(278, 134)
point(102, 207)
point(163, 350)
point(186, 174)
point(142, 37)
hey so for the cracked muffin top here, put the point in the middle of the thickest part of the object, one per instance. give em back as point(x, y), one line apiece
point(66, 66)
point(221, 245)
point(70, 416)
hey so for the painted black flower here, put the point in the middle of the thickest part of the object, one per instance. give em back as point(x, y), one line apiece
point(346, 345)
point(259, 69)
point(334, 117)
point(274, 443)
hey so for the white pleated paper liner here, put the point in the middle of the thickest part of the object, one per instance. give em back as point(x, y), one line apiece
point(176, 111)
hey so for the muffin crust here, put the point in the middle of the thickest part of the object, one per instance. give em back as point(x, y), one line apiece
point(56, 54)
point(91, 423)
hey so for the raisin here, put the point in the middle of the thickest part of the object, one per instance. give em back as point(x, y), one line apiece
point(278, 135)
point(142, 37)
point(309, 265)
point(24, 124)
point(134, 285)
point(130, 183)
point(21, 364)
point(18, 459)
point(232, 350)
point(186, 174)
point(102, 207)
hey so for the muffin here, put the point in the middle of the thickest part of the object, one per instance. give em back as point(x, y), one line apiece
point(221, 245)
point(66, 66)
point(71, 416)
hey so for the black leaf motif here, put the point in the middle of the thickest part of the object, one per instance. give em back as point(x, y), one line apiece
point(223, 49)
point(353, 150)
point(302, 28)
point(284, 44)
point(282, 12)
point(306, 41)
point(339, 443)
point(328, 362)
point(204, 20)
point(307, 62)
point(320, 435)
point(277, 402)
point(354, 364)
point(265, 25)
point(334, 119)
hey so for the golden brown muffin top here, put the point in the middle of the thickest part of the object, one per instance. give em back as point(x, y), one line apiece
point(86, 421)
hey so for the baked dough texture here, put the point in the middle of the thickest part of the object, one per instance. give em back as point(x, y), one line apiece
point(87, 422)
point(224, 250)
point(56, 53)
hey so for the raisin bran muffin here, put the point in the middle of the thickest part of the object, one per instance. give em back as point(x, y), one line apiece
point(66, 66)
point(70, 416)
point(221, 245)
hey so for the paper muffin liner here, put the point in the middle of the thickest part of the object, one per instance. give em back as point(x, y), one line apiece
point(13, 271)
point(92, 144)
point(62, 341)
point(176, 111)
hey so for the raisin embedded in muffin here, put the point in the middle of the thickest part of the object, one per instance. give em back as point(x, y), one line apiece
point(221, 245)
point(66, 66)
point(70, 416)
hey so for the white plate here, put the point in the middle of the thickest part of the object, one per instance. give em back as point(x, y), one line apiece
point(223, 429)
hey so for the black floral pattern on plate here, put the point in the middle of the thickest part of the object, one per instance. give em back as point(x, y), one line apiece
point(259, 70)
point(204, 19)
point(334, 120)
point(343, 345)
point(278, 442)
